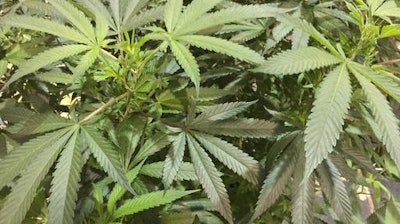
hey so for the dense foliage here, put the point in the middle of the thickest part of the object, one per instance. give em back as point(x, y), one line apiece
point(203, 111)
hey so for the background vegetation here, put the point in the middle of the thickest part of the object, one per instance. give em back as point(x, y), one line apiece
point(203, 111)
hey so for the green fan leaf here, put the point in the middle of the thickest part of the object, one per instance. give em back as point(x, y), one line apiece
point(335, 190)
point(383, 115)
point(309, 29)
point(44, 25)
point(151, 146)
point(231, 14)
point(209, 178)
point(388, 8)
point(77, 18)
point(300, 60)
point(248, 128)
point(222, 111)
point(187, 61)
point(185, 172)
point(17, 160)
point(118, 191)
point(46, 58)
point(303, 193)
point(19, 200)
point(235, 159)
point(40, 123)
point(277, 179)
point(65, 183)
point(172, 13)
point(106, 156)
point(223, 46)
point(327, 117)
point(130, 8)
point(193, 11)
point(174, 159)
point(148, 201)
point(383, 82)
point(97, 7)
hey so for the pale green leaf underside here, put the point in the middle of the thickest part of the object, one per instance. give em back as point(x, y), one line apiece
point(174, 159)
point(151, 146)
point(106, 156)
point(248, 128)
point(384, 117)
point(235, 159)
point(327, 117)
point(45, 58)
point(22, 194)
point(44, 25)
point(18, 159)
point(148, 201)
point(187, 61)
point(145, 17)
point(85, 62)
point(223, 46)
point(209, 178)
point(65, 183)
point(297, 61)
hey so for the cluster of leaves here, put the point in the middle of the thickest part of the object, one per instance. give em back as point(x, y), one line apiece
point(125, 111)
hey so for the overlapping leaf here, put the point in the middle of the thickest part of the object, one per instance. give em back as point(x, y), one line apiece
point(174, 159)
point(65, 183)
point(19, 200)
point(297, 60)
point(209, 178)
point(327, 117)
point(106, 156)
point(383, 115)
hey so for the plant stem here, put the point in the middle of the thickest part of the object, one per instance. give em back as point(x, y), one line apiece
point(109, 103)
point(390, 62)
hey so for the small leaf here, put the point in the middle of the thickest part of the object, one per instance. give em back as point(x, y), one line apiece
point(150, 200)
point(174, 159)
point(327, 117)
point(187, 61)
point(209, 178)
point(297, 61)
point(54, 77)
point(223, 46)
point(106, 156)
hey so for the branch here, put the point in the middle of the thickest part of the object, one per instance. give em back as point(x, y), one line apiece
point(109, 103)
point(389, 62)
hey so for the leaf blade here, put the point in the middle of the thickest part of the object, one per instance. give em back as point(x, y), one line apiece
point(327, 117)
